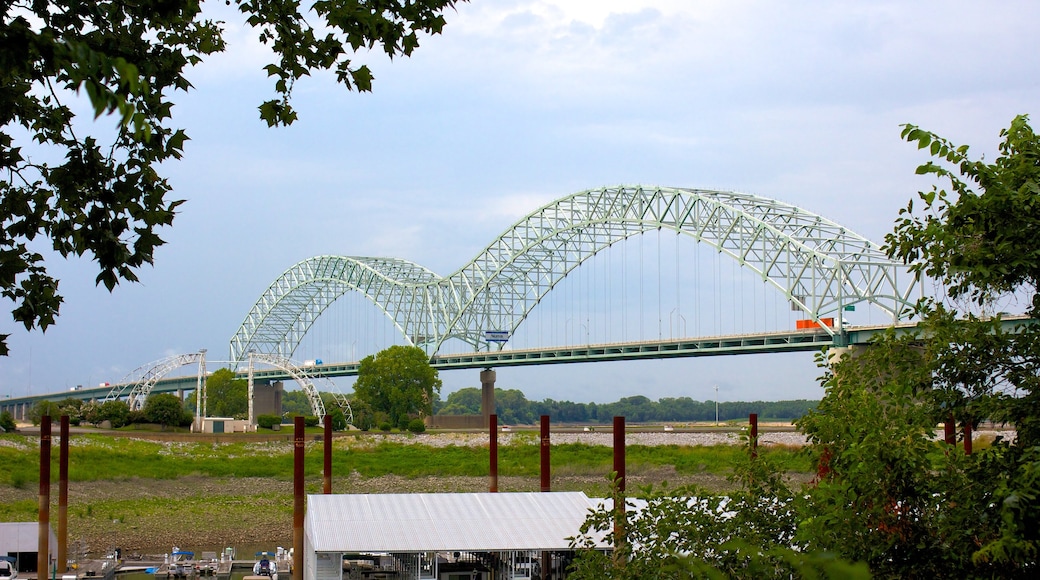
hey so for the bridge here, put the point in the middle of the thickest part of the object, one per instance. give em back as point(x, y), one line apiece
point(574, 268)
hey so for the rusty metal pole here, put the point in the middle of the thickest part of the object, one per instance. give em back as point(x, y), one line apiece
point(63, 496)
point(546, 485)
point(327, 475)
point(753, 419)
point(950, 430)
point(619, 451)
point(967, 438)
point(43, 550)
point(493, 448)
point(298, 497)
point(545, 470)
point(620, 515)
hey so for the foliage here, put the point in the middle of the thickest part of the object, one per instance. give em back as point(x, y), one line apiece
point(268, 421)
point(226, 396)
point(7, 422)
point(889, 493)
point(513, 408)
point(166, 409)
point(295, 403)
point(101, 193)
point(416, 426)
point(43, 409)
point(337, 418)
point(310, 421)
point(691, 533)
point(117, 413)
point(398, 381)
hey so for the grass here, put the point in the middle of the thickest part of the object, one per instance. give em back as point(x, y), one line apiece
point(101, 457)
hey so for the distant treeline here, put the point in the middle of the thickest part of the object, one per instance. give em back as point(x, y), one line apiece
point(513, 407)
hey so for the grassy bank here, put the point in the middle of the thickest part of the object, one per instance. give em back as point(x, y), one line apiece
point(103, 457)
point(146, 496)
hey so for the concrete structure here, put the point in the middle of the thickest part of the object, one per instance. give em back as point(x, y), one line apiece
point(441, 536)
point(20, 540)
point(267, 398)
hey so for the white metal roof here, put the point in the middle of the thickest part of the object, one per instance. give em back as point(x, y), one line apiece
point(431, 522)
point(24, 537)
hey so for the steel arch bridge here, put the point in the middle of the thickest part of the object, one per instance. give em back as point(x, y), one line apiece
point(818, 265)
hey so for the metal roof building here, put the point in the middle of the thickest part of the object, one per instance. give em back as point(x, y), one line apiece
point(440, 536)
point(20, 540)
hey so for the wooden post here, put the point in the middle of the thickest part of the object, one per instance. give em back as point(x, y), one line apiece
point(298, 496)
point(950, 430)
point(63, 496)
point(327, 470)
point(43, 546)
point(493, 447)
point(620, 515)
point(753, 419)
point(967, 438)
point(545, 469)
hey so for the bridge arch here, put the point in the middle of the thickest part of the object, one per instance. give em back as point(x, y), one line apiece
point(818, 265)
point(138, 384)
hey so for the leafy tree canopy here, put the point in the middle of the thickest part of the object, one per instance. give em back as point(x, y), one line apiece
point(398, 381)
point(165, 409)
point(103, 194)
point(226, 396)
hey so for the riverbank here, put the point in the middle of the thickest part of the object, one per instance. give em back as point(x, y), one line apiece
point(196, 507)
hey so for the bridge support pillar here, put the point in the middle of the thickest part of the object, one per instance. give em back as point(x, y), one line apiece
point(487, 395)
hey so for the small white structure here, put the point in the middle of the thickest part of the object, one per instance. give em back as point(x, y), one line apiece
point(20, 540)
point(441, 536)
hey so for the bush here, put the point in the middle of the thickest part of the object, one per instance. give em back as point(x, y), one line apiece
point(385, 426)
point(310, 421)
point(268, 421)
point(7, 422)
point(416, 426)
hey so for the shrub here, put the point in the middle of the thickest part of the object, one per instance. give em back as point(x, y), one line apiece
point(7, 421)
point(416, 426)
point(268, 421)
point(385, 426)
point(310, 421)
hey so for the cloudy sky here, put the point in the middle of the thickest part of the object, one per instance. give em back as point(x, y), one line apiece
point(522, 102)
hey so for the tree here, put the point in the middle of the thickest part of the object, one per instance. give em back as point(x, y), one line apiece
point(105, 196)
point(165, 409)
point(889, 493)
point(226, 396)
point(117, 413)
point(465, 401)
point(7, 423)
point(398, 381)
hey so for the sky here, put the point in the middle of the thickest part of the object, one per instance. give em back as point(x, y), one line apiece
point(522, 102)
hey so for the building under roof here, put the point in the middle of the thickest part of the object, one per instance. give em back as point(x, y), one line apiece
point(441, 536)
point(20, 540)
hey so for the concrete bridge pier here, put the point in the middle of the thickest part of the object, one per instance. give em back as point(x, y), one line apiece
point(487, 395)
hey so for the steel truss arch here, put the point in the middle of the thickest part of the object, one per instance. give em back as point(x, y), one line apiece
point(138, 384)
point(306, 381)
point(817, 264)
